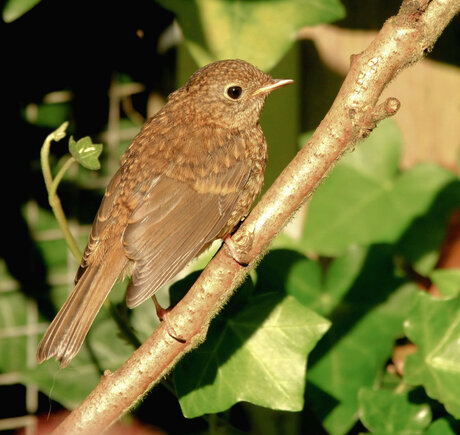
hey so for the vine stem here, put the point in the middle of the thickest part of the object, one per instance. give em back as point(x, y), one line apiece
point(70, 160)
point(51, 187)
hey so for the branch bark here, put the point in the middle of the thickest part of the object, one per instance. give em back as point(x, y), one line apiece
point(403, 40)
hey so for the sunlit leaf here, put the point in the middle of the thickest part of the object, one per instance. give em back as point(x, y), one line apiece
point(386, 412)
point(86, 152)
point(366, 303)
point(365, 200)
point(434, 326)
point(258, 355)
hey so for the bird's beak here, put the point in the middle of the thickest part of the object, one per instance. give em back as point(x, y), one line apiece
point(271, 86)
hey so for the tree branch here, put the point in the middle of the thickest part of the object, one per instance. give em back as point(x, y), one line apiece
point(403, 40)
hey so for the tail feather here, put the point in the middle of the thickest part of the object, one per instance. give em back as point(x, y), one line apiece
point(66, 333)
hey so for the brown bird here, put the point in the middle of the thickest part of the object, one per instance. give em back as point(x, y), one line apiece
point(188, 178)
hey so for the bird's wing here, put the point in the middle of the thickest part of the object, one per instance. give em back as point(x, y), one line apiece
point(174, 222)
point(100, 221)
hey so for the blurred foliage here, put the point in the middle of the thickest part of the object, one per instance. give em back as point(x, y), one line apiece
point(306, 344)
point(13, 9)
point(260, 32)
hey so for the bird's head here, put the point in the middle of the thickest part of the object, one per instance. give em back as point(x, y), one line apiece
point(227, 93)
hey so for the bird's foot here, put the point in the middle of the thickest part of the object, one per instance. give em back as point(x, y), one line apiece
point(239, 246)
point(162, 314)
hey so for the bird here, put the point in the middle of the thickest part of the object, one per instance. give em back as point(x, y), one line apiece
point(187, 179)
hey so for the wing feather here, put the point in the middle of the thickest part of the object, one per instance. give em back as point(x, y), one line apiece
point(100, 221)
point(174, 223)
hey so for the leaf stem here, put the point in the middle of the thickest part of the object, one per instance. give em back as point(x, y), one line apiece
point(51, 187)
point(70, 160)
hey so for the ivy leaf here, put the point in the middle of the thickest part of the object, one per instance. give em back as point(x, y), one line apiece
point(260, 32)
point(386, 412)
point(86, 152)
point(258, 355)
point(365, 200)
point(434, 326)
point(365, 301)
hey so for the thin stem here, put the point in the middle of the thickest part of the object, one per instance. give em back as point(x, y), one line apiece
point(55, 204)
point(45, 152)
point(70, 160)
point(51, 186)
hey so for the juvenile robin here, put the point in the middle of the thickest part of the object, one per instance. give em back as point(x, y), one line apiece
point(188, 178)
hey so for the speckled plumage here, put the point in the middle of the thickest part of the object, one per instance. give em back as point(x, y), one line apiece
point(188, 178)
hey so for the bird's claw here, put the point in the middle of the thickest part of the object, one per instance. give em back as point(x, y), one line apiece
point(239, 246)
point(163, 316)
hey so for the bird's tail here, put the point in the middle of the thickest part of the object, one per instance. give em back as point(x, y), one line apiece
point(64, 337)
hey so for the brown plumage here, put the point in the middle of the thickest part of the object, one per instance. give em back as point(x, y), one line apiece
point(187, 179)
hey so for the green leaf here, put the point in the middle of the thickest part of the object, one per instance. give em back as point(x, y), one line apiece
point(367, 304)
point(260, 32)
point(386, 412)
point(447, 281)
point(258, 355)
point(434, 326)
point(13, 9)
point(365, 201)
point(444, 426)
point(423, 252)
point(86, 152)
point(289, 271)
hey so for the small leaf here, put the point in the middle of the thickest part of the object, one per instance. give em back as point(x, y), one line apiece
point(386, 412)
point(258, 355)
point(434, 326)
point(86, 152)
point(260, 32)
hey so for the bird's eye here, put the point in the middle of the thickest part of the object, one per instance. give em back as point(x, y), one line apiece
point(234, 92)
